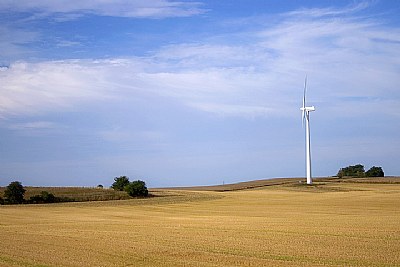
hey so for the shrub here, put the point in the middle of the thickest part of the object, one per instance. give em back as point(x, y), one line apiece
point(44, 197)
point(1, 201)
point(48, 197)
point(100, 186)
point(14, 193)
point(120, 183)
point(137, 189)
point(37, 199)
point(375, 172)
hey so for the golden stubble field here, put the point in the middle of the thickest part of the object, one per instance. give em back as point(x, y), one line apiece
point(332, 224)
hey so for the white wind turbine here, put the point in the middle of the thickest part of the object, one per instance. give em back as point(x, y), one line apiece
point(306, 116)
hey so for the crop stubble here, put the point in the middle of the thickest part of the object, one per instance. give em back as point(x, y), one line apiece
point(326, 225)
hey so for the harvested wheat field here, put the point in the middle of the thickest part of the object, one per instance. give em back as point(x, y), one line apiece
point(331, 223)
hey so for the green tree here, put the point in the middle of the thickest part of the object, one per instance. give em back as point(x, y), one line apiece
point(14, 193)
point(120, 183)
point(352, 171)
point(375, 172)
point(137, 189)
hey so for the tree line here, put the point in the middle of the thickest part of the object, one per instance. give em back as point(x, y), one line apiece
point(15, 192)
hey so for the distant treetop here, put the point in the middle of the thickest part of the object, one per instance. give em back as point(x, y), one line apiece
point(359, 171)
point(120, 183)
point(14, 193)
point(375, 172)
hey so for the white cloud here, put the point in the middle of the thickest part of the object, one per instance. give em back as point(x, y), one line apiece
point(66, 10)
point(29, 88)
point(354, 59)
point(235, 110)
point(344, 57)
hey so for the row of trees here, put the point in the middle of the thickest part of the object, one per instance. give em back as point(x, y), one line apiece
point(359, 171)
point(14, 194)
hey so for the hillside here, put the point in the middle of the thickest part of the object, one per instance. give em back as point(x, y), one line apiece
point(288, 182)
point(82, 194)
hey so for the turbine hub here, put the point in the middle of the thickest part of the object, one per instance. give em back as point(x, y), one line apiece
point(312, 108)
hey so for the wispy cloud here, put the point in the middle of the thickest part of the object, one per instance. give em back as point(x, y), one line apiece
point(236, 110)
point(346, 57)
point(66, 10)
point(119, 135)
point(326, 12)
point(13, 41)
point(65, 43)
point(36, 125)
point(30, 127)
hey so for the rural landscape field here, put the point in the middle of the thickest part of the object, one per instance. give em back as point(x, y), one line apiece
point(334, 222)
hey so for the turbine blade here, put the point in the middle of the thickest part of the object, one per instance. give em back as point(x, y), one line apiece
point(305, 92)
point(303, 113)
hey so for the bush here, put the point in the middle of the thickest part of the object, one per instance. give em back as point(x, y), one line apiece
point(14, 193)
point(375, 172)
point(44, 197)
point(137, 189)
point(100, 186)
point(37, 199)
point(48, 197)
point(1, 201)
point(120, 183)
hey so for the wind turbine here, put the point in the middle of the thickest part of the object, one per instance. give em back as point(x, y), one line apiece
point(305, 114)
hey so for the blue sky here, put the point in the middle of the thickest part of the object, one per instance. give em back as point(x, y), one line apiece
point(195, 92)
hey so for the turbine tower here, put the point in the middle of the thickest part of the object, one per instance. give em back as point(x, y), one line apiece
point(305, 113)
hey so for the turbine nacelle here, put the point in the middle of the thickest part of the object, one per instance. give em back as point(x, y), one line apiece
point(307, 109)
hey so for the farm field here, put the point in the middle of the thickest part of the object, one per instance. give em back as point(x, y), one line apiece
point(332, 223)
point(75, 194)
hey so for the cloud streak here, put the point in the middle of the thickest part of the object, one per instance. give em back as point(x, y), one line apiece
point(67, 10)
point(328, 12)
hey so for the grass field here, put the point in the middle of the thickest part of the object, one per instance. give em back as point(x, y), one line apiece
point(332, 223)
